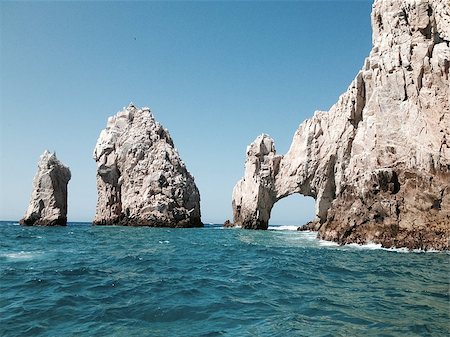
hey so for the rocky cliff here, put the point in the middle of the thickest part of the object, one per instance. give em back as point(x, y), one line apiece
point(141, 180)
point(378, 162)
point(48, 204)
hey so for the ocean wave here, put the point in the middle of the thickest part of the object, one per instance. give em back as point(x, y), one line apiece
point(326, 243)
point(368, 246)
point(130, 283)
point(378, 246)
point(282, 228)
point(22, 255)
point(309, 235)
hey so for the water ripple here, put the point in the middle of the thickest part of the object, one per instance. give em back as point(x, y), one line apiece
point(115, 281)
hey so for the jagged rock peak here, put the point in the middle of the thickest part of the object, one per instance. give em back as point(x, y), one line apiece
point(48, 204)
point(377, 163)
point(141, 180)
point(253, 194)
point(261, 146)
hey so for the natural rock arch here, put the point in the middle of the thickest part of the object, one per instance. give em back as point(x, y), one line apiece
point(268, 179)
point(378, 162)
point(294, 209)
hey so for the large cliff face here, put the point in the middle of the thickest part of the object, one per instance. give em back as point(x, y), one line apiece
point(378, 162)
point(141, 179)
point(48, 204)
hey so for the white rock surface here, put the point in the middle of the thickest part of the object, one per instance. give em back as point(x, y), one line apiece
point(391, 127)
point(48, 204)
point(141, 179)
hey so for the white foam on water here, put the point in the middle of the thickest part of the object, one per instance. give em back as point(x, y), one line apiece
point(282, 228)
point(406, 250)
point(377, 246)
point(326, 243)
point(20, 255)
point(234, 227)
point(369, 246)
point(309, 234)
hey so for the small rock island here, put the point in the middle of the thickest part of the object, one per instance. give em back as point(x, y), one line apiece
point(141, 180)
point(378, 162)
point(48, 204)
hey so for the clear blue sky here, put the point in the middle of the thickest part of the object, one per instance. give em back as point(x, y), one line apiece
point(215, 74)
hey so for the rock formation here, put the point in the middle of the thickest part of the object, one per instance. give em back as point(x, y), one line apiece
point(48, 204)
point(141, 180)
point(378, 162)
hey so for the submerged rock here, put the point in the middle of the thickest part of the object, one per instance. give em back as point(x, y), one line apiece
point(141, 180)
point(48, 204)
point(378, 162)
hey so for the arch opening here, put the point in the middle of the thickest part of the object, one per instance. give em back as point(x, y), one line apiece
point(293, 210)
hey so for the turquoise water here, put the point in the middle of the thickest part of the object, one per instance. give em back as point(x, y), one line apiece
point(118, 281)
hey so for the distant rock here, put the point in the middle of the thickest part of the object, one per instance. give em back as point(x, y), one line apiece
point(378, 162)
point(141, 180)
point(310, 226)
point(48, 204)
point(227, 224)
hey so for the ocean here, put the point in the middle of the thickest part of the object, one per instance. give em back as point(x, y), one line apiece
point(84, 280)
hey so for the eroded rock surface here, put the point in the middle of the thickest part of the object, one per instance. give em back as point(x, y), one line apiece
point(48, 204)
point(255, 194)
point(378, 162)
point(141, 180)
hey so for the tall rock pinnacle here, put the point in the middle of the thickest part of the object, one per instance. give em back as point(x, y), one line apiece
point(378, 162)
point(48, 204)
point(141, 180)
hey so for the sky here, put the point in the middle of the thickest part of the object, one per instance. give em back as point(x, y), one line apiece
point(215, 74)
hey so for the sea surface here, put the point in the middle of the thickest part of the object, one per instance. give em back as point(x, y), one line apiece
point(83, 280)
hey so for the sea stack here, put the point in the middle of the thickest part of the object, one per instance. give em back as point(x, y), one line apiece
point(48, 204)
point(141, 180)
point(378, 162)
